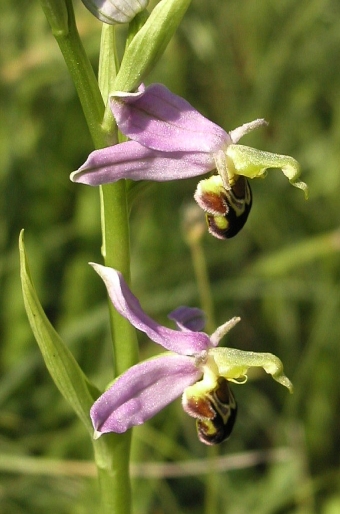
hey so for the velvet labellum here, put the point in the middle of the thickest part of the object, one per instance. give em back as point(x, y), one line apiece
point(226, 210)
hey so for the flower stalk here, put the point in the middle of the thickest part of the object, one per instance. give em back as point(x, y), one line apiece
point(78, 65)
point(112, 453)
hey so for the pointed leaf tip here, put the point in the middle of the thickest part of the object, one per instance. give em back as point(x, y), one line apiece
point(62, 366)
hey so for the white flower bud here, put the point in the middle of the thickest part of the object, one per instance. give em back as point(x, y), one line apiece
point(115, 11)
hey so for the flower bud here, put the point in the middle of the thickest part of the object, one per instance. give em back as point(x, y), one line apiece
point(115, 11)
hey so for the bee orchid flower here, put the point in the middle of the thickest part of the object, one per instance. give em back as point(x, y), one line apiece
point(170, 140)
point(193, 366)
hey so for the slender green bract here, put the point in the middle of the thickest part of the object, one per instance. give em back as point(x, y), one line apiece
point(149, 43)
point(111, 452)
point(63, 368)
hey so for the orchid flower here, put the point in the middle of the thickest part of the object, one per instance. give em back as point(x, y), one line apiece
point(193, 366)
point(170, 140)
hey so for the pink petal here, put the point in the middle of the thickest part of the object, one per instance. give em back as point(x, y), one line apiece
point(222, 330)
point(244, 129)
point(142, 391)
point(183, 343)
point(158, 119)
point(188, 318)
point(133, 161)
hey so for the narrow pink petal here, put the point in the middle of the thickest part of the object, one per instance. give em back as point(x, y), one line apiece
point(158, 119)
point(133, 161)
point(223, 330)
point(142, 391)
point(244, 129)
point(188, 318)
point(183, 343)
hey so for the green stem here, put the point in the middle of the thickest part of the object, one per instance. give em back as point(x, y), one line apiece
point(212, 482)
point(116, 253)
point(115, 217)
point(203, 283)
point(112, 457)
point(207, 305)
point(66, 34)
point(112, 451)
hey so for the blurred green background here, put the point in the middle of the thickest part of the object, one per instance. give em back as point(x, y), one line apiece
point(234, 61)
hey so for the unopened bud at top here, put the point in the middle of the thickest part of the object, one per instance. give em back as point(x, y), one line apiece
point(115, 11)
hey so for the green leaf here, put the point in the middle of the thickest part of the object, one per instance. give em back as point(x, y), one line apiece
point(62, 366)
point(149, 43)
